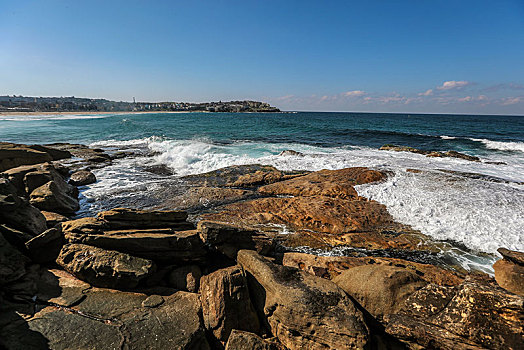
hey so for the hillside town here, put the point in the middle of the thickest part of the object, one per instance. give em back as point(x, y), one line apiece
point(75, 104)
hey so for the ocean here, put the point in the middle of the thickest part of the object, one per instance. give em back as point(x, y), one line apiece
point(477, 206)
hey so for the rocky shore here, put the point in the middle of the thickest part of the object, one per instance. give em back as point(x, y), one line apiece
point(212, 267)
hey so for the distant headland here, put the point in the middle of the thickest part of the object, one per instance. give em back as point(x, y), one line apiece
point(75, 104)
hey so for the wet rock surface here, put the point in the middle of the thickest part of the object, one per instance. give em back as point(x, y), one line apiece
point(452, 154)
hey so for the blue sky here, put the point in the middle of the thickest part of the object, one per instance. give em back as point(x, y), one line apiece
point(394, 56)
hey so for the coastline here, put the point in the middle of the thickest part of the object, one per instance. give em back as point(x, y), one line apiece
point(7, 114)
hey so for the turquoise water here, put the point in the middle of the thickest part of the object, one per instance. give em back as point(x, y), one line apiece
point(479, 205)
point(318, 129)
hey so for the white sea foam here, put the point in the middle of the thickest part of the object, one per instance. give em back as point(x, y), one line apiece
point(444, 137)
point(500, 145)
point(482, 215)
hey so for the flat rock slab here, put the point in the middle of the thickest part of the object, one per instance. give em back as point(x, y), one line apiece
point(104, 319)
point(104, 268)
point(331, 266)
point(162, 236)
point(303, 311)
point(330, 183)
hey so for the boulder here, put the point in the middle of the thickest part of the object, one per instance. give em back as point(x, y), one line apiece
point(303, 311)
point(17, 212)
point(330, 183)
point(186, 278)
point(241, 340)
point(13, 155)
point(12, 262)
point(379, 289)
point(509, 272)
point(83, 317)
point(229, 239)
point(226, 304)
point(46, 246)
point(104, 268)
point(29, 177)
point(51, 197)
point(474, 315)
point(455, 154)
point(82, 178)
point(53, 219)
point(15, 237)
point(331, 266)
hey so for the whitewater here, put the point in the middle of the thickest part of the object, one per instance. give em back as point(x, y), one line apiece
point(477, 206)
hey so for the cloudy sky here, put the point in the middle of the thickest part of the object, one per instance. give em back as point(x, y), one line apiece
point(388, 56)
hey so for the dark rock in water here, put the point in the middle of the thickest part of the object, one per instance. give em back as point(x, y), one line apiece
point(496, 163)
point(46, 246)
point(12, 262)
point(186, 278)
point(82, 178)
point(13, 155)
point(52, 219)
point(241, 340)
point(104, 268)
point(452, 154)
point(226, 304)
point(101, 318)
point(229, 239)
point(455, 154)
point(159, 169)
point(17, 212)
point(290, 152)
point(379, 289)
point(303, 311)
point(51, 197)
point(161, 236)
point(509, 272)
point(473, 315)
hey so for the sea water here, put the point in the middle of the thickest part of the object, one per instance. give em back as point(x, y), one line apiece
point(476, 205)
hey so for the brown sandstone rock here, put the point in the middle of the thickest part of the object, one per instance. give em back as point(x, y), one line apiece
point(102, 319)
point(509, 272)
point(226, 304)
point(17, 213)
point(13, 155)
point(132, 218)
point(147, 234)
point(473, 315)
point(331, 266)
point(12, 262)
point(229, 239)
point(104, 268)
point(241, 340)
point(330, 183)
point(82, 178)
point(303, 311)
point(379, 289)
point(186, 278)
point(46, 246)
point(52, 219)
point(51, 197)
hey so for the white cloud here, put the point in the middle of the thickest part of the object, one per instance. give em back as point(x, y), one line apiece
point(473, 98)
point(453, 84)
point(354, 93)
point(427, 93)
point(512, 100)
